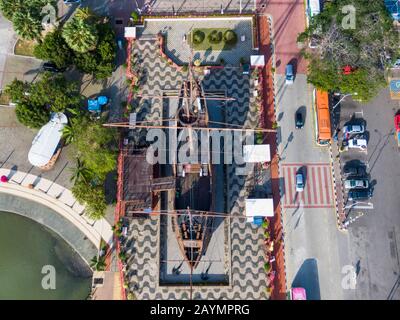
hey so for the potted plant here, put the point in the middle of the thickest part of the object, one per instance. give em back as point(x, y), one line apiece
point(267, 267)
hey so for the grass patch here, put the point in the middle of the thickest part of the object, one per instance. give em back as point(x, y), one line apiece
point(213, 39)
point(24, 47)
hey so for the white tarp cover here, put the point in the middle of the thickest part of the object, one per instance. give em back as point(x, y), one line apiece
point(257, 61)
point(259, 207)
point(130, 32)
point(253, 153)
point(46, 141)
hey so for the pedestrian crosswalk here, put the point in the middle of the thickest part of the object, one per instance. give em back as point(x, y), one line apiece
point(318, 185)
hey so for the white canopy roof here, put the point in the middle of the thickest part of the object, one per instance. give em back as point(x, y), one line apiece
point(46, 141)
point(259, 207)
point(130, 32)
point(253, 153)
point(257, 61)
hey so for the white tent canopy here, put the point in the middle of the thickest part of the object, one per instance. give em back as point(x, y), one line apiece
point(130, 32)
point(45, 143)
point(257, 61)
point(259, 208)
point(253, 153)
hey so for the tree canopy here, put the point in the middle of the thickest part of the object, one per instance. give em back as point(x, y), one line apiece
point(367, 46)
point(55, 49)
point(80, 33)
point(25, 15)
point(35, 101)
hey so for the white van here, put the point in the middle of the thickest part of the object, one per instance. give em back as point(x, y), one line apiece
point(314, 8)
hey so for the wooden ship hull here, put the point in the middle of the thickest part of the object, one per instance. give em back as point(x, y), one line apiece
point(194, 182)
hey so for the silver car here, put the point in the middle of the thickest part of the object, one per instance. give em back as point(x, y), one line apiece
point(299, 182)
point(356, 184)
point(354, 128)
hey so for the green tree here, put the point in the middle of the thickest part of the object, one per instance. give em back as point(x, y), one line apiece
point(55, 49)
point(98, 263)
point(9, 7)
point(32, 115)
point(100, 62)
point(26, 25)
point(35, 101)
point(81, 173)
point(365, 48)
point(95, 145)
point(92, 196)
point(80, 35)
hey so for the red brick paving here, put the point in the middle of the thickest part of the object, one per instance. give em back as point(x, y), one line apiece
point(289, 20)
point(279, 292)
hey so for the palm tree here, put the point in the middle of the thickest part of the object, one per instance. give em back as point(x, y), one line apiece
point(68, 133)
point(27, 26)
point(80, 35)
point(80, 172)
point(84, 14)
point(98, 263)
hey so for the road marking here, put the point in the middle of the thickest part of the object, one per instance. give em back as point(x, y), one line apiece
point(290, 187)
point(328, 200)
point(318, 183)
point(321, 189)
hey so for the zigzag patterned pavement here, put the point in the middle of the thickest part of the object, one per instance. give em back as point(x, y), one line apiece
point(248, 279)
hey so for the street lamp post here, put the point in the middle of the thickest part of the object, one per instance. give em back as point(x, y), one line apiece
point(345, 96)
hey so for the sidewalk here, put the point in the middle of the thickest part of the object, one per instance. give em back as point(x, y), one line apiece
point(279, 292)
point(58, 199)
point(338, 183)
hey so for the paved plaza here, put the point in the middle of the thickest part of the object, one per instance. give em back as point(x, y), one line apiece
point(247, 276)
point(177, 38)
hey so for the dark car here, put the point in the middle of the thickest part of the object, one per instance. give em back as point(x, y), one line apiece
point(299, 120)
point(359, 194)
point(353, 170)
point(50, 66)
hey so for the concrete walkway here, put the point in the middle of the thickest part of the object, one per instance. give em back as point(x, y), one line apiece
point(58, 199)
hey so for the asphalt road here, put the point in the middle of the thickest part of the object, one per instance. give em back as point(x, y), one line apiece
point(315, 250)
point(375, 237)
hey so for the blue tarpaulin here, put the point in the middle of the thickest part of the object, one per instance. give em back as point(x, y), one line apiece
point(393, 7)
point(94, 105)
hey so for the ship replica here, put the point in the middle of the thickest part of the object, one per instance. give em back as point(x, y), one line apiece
point(194, 181)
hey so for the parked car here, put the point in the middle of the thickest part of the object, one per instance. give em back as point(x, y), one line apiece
point(356, 184)
point(299, 120)
point(289, 74)
point(353, 128)
point(359, 194)
point(314, 7)
point(358, 144)
point(50, 66)
point(299, 182)
point(352, 170)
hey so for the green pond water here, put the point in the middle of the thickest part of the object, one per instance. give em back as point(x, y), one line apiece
point(25, 247)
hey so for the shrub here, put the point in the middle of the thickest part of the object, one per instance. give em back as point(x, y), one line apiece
point(215, 37)
point(198, 36)
point(135, 16)
point(230, 37)
point(267, 267)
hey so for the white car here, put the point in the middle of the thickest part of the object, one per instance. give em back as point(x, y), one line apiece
point(314, 8)
point(299, 182)
point(356, 184)
point(354, 128)
point(358, 144)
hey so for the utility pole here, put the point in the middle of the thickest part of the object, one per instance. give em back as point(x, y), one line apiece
point(345, 96)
